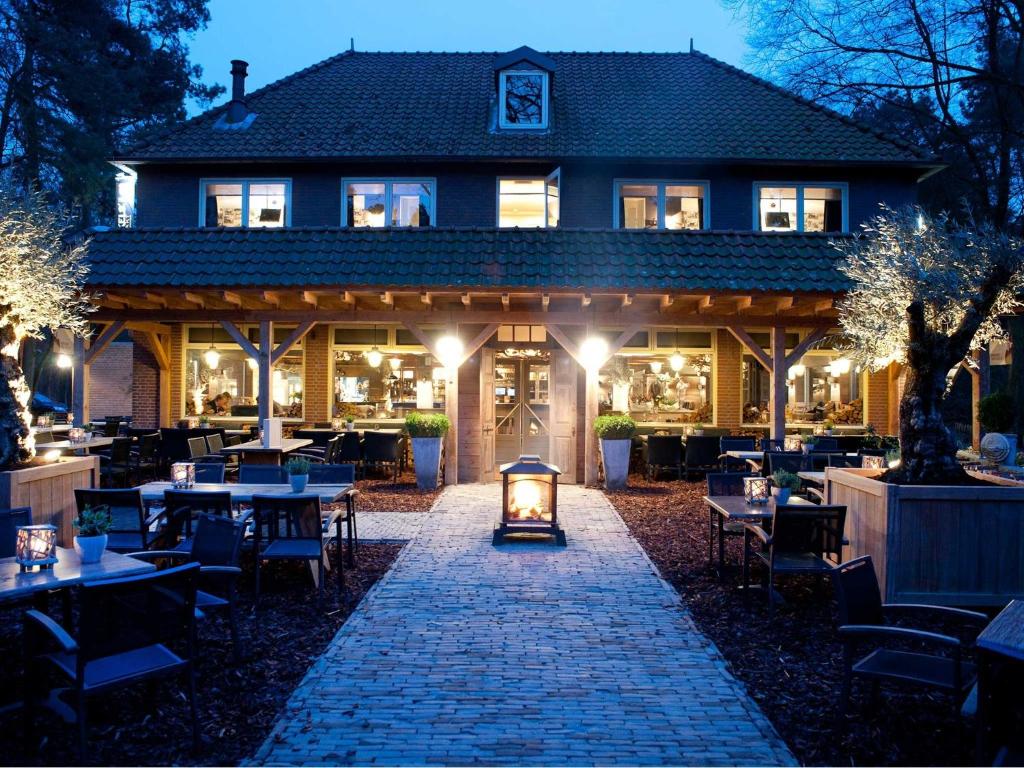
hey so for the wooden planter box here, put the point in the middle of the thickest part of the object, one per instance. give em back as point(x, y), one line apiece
point(50, 490)
point(942, 545)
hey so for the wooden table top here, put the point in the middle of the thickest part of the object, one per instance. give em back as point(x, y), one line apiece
point(328, 430)
point(736, 507)
point(288, 445)
point(67, 572)
point(818, 478)
point(756, 455)
point(93, 442)
point(1005, 633)
point(243, 492)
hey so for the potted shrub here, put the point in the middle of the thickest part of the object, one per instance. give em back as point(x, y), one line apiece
point(298, 473)
point(698, 428)
point(92, 526)
point(828, 426)
point(996, 414)
point(204, 421)
point(807, 443)
point(615, 434)
point(783, 485)
point(427, 432)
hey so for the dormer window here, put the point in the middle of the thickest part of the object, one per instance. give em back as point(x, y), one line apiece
point(523, 99)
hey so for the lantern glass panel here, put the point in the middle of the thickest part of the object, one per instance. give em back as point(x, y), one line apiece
point(792, 443)
point(36, 545)
point(529, 498)
point(183, 475)
point(872, 462)
point(756, 490)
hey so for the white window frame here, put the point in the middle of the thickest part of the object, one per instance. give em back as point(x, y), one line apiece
point(617, 185)
point(246, 183)
point(545, 101)
point(800, 186)
point(555, 174)
point(389, 182)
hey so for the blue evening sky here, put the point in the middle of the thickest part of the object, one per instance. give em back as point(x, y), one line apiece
point(278, 38)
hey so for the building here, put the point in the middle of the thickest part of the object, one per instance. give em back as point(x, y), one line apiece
point(384, 232)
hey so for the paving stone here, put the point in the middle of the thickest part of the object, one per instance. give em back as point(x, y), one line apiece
point(528, 653)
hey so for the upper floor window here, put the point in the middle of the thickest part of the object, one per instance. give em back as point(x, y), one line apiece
point(245, 203)
point(524, 202)
point(389, 202)
point(801, 207)
point(523, 99)
point(661, 205)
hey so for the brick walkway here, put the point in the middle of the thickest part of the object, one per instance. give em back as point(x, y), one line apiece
point(389, 526)
point(465, 653)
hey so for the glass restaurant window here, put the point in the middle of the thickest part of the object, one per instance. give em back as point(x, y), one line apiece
point(660, 205)
point(231, 389)
point(389, 203)
point(801, 208)
point(528, 202)
point(523, 99)
point(251, 203)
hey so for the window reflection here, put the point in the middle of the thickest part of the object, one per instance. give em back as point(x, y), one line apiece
point(389, 204)
point(524, 98)
point(660, 387)
point(660, 205)
point(245, 203)
point(822, 386)
point(521, 203)
point(778, 209)
point(232, 388)
point(403, 382)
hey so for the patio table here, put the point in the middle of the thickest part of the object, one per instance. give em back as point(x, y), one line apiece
point(253, 452)
point(722, 508)
point(817, 478)
point(67, 572)
point(242, 493)
point(85, 445)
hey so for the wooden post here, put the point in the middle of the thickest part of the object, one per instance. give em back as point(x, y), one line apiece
point(266, 394)
point(980, 387)
point(779, 395)
point(80, 384)
point(451, 410)
point(590, 414)
point(894, 393)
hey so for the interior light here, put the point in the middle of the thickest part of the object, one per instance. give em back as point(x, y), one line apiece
point(655, 366)
point(796, 370)
point(64, 360)
point(395, 363)
point(211, 357)
point(840, 366)
point(449, 351)
point(593, 352)
point(374, 357)
point(253, 363)
point(677, 362)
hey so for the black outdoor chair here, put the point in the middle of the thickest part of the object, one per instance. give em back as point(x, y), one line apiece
point(111, 426)
point(825, 444)
point(863, 621)
point(130, 630)
point(382, 450)
point(319, 437)
point(131, 529)
point(791, 461)
point(723, 484)
point(197, 449)
point(341, 474)
point(664, 452)
point(842, 460)
point(804, 539)
point(262, 474)
point(770, 444)
point(209, 472)
point(701, 455)
point(43, 436)
point(216, 546)
point(116, 466)
point(183, 508)
point(350, 449)
point(10, 519)
point(729, 464)
point(144, 457)
point(292, 528)
point(320, 455)
point(214, 453)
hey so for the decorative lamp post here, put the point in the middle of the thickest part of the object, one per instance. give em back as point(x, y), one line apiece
point(36, 546)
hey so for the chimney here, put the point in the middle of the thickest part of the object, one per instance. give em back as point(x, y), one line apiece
point(237, 110)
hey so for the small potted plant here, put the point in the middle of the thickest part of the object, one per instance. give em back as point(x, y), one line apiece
point(828, 426)
point(807, 443)
point(698, 428)
point(427, 431)
point(783, 485)
point(615, 433)
point(204, 421)
point(92, 526)
point(298, 473)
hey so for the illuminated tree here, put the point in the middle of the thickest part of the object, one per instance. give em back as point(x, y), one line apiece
point(924, 292)
point(41, 280)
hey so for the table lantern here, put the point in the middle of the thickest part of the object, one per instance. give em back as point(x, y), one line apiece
point(36, 546)
point(872, 462)
point(756, 490)
point(792, 443)
point(76, 435)
point(529, 500)
point(338, 423)
point(183, 474)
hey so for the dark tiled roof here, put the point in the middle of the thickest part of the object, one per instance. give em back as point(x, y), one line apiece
point(553, 259)
point(680, 106)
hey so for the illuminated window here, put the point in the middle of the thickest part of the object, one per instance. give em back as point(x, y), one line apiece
point(251, 203)
point(528, 202)
point(660, 205)
point(800, 208)
point(389, 203)
point(523, 99)
point(125, 181)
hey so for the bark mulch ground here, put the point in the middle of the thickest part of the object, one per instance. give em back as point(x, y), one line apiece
point(238, 703)
point(790, 662)
point(383, 494)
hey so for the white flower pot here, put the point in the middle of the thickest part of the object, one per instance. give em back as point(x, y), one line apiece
point(781, 495)
point(615, 454)
point(698, 433)
point(299, 482)
point(90, 548)
point(426, 455)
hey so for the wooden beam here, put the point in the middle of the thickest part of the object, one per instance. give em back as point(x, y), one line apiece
point(103, 340)
point(426, 298)
point(822, 305)
point(627, 299)
point(155, 298)
point(751, 346)
point(156, 344)
point(805, 344)
point(272, 297)
point(291, 340)
point(478, 341)
point(778, 390)
point(347, 297)
point(148, 327)
point(265, 395)
point(231, 298)
point(194, 298)
point(309, 297)
point(240, 339)
point(566, 343)
point(387, 299)
point(466, 300)
point(784, 303)
point(505, 303)
point(666, 302)
point(705, 303)
point(743, 303)
point(545, 299)
point(80, 385)
point(585, 300)
point(422, 338)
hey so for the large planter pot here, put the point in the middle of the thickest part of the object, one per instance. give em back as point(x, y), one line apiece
point(50, 490)
point(942, 545)
point(615, 455)
point(299, 482)
point(426, 456)
point(781, 495)
point(90, 548)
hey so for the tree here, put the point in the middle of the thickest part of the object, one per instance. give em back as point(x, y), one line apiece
point(944, 74)
point(924, 292)
point(79, 78)
point(41, 282)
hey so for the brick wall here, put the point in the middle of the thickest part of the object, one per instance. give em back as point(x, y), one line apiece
point(317, 386)
point(177, 372)
point(145, 386)
point(727, 381)
point(110, 381)
point(876, 401)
